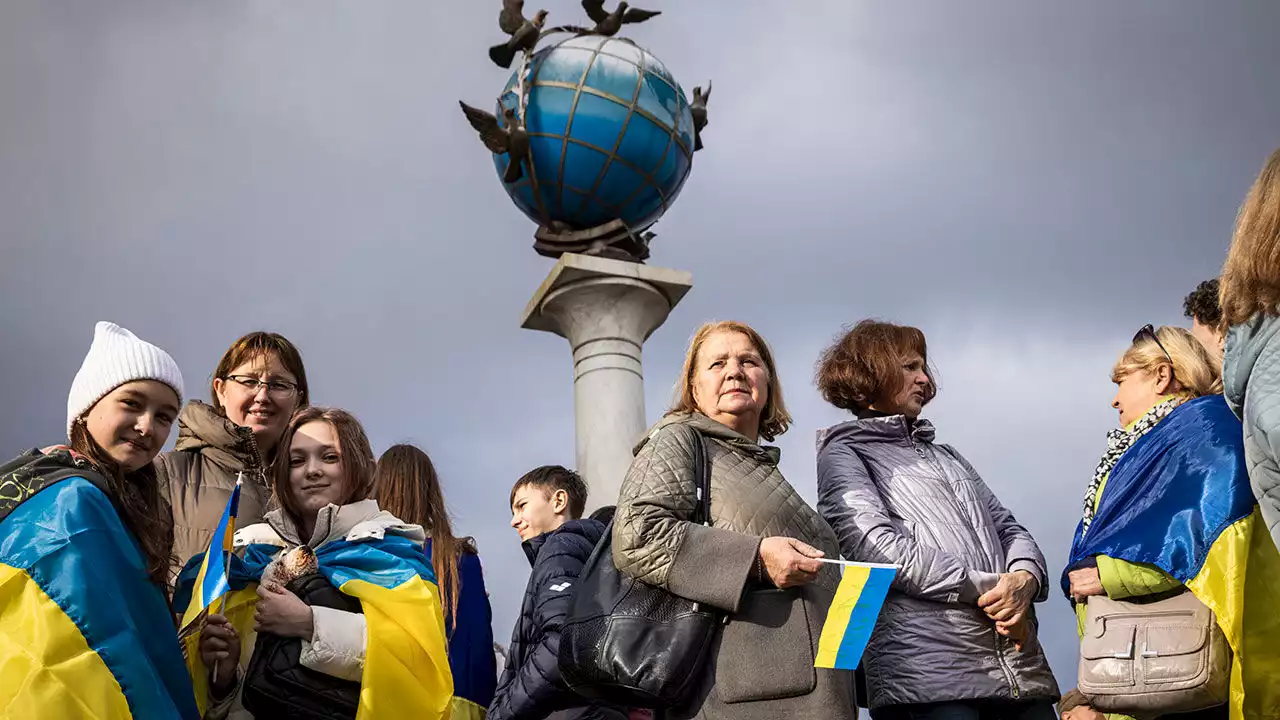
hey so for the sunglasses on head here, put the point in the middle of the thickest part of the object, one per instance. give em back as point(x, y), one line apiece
point(1149, 330)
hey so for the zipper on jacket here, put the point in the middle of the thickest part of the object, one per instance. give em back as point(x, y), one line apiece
point(259, 463)
point(1001, 643)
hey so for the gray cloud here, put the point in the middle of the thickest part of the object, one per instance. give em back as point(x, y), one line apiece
point(1026, 183)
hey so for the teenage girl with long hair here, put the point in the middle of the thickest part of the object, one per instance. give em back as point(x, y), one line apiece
point(409, 488)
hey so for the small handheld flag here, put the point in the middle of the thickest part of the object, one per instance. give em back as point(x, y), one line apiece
point(853, 614)
point(213, 581)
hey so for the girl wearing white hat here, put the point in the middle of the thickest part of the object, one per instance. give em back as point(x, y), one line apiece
point(86, 547)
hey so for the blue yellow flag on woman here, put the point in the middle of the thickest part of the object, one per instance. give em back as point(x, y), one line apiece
point(853, 614)
point(84, 633)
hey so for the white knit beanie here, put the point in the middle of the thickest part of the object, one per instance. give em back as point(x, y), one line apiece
point(116, 357)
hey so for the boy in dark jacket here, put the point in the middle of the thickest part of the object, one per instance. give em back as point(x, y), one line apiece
point(546, 505)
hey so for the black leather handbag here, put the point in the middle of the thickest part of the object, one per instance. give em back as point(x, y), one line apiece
point(632, 644)
point(277, 686)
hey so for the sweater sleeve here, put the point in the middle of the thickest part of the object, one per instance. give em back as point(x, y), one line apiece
point(850, 502)
point(1122, 579)
point(654, 540)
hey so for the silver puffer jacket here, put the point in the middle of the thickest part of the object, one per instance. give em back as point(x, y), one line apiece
point(893, 496)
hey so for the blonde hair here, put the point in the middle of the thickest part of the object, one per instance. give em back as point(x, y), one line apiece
point(1251, 276)
point(774, 418)
point(1195, 373)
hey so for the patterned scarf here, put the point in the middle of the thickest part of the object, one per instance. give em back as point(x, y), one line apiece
point(1119, 441)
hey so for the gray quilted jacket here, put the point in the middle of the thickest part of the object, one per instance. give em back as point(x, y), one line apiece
point(763, 665)
point(893, 496)
point(1251, 383)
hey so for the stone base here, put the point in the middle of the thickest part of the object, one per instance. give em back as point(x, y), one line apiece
point(606, 309)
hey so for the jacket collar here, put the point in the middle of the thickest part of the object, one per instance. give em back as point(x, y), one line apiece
point(711, 429)
point(360, 520)
point(878, 428)
point(590, 529)
point(202, 428)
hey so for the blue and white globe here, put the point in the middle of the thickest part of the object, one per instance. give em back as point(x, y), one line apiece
point(611, 135)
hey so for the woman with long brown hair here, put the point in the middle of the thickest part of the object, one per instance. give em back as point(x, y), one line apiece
point(1249, 294)
point(347, 619)
point(87, 547)
point(408, 487)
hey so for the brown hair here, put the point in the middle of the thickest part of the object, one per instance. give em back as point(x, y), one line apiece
point(774, 418)
point(1196, 373)
point(353, 444)
point(257, 345)
point(409, 488)
point(864, 366)
point(136, 496)
point(1251, 276)
point(549, 479)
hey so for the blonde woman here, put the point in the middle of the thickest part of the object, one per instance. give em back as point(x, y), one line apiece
point(1169, 510)
point(759, 559)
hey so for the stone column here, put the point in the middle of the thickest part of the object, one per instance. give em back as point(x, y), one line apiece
point(606, 309)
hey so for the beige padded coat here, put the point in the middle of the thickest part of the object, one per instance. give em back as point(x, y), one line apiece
point(763, 663)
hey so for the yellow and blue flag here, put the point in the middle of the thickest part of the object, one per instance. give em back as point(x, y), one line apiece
point(84, 633)
point(1180, 499)
point(853, 614)
point(406, 667)
point(212, 582)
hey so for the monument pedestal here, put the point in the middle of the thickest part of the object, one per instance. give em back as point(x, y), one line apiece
point(606, 309)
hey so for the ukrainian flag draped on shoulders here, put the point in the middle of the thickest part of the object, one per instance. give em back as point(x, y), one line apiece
point(406, 669)
point(1179, 499)
point(84, 633)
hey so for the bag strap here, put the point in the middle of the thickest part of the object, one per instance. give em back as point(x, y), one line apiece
point(702, 477)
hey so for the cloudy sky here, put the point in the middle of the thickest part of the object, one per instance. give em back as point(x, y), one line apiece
point(1027, 182)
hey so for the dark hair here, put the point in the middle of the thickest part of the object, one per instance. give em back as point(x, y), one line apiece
point(409, 488)
point(353, 444)
point(864, 366)
point(1202, 304)
point(604, 514)
point(551, 478)
point(136, 496)
point(256, 345)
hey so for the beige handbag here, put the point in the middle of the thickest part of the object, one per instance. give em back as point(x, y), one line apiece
point(1153, 657)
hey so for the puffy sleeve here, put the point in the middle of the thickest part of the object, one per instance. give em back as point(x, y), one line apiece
point(337, 644)
point(654, 540)
point(1020, 549)
point(850, 502)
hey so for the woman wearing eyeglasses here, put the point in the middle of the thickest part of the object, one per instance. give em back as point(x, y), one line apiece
point(1169, 510)
point(256, 388)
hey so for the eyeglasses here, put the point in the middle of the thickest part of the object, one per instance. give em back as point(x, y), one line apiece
point(275, 388)
point(1149, 330)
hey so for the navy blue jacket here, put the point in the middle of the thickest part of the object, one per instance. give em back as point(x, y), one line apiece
point(531, 687)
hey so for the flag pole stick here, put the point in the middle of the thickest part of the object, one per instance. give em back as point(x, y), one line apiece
point(226, 569)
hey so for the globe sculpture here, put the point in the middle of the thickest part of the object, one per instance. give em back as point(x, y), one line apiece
point(611, 138)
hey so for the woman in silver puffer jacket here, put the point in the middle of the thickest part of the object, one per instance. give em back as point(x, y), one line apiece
point(957, 635)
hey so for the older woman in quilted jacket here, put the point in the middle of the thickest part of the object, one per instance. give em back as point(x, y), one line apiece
point(956, 638)
point(759, 558)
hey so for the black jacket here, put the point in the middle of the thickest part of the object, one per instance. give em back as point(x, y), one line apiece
point(531, 687)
